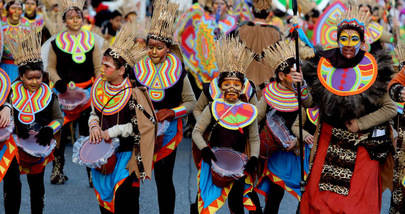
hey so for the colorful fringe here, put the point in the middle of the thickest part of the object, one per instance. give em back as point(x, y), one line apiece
point(8, 150)
point(171, 140)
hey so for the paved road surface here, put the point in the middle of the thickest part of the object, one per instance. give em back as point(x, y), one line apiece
point(75, 197)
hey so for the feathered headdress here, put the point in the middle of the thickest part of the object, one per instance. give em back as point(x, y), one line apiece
point(260, 5)
point(278, 54)
point(232, 55)
point(400, 54)
point(25, 46)
point(163, 21)
point(353, 17)
point(69, 4)
point(124, 45)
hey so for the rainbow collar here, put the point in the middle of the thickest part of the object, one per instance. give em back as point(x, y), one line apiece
point(5, 86)
point(313, 115)
point(216, 92)
point(28, 104)
point(348, 81)
point(102, 92)
point(77, 45)
point(233, 116)
point(159, 77)
point(281, 99)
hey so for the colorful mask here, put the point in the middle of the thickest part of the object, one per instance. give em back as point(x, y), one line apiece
point(350, 38)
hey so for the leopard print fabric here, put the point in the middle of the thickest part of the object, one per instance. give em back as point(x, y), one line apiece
point(398, 192)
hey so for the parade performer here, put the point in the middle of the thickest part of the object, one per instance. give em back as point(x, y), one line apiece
point(197, 30)
point(10, 24)
point(257, 35)
point(311, 15)
point(232, 124)
point(397, 93)
point(278, 109)
point(31, 14)
point(7, 145)
point(114, 103)
point(75, 57)
point(350, 89)
point(171, 93)
point(36, 110)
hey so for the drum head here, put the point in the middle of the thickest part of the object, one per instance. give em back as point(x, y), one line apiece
point(31, 146)
point(93, 155)
point(229, 162)
point(73, 98)
point(6, 131)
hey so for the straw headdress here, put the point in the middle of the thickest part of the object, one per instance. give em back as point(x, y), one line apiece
point(53, 22)
point(353, 17)
point(277, 55)
point(163, 21)
point(232, 55)
point(306, 6)
point(66, 5)
point(400, 54)
point(124, 45)
point(142, 28)
point(25, 46)
point(260, 5)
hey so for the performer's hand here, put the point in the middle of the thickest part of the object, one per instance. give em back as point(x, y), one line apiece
point(61, 86)
point(402, 95)
point(208, 155)
point(252, 166)
point(352, 126)
point(106, 136)
point(95, 134)
point(165, 114)
point(5, 115)
point(309, 139)
point(296, 76)
point(291, 144)
point(44, 136)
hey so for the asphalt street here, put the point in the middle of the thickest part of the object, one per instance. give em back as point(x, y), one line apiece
point(75, 196)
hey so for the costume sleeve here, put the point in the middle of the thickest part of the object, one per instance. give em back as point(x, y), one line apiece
point(188, 99)
point(97, 57)
point(261, 110)
point(199, 129)
point(385, 113)
point(200, 105)
point(57, 122)
point(396, 85)
point(253, 100)
point(121, 130)
point(254, 139)
point(306, 97)
point(53, 73)
point(295, 128)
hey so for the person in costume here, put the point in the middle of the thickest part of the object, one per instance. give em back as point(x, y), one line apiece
point(311, 15)
point(171, 94)
point(43, 118)
point(397, 93)
point(10, 24)
point(258, 34)
point(350, 89)
point(197, 30)
point(75, 59)
point(233, 124)
point(279, 108)
point(7, 146)
point(31, 14)
point(114, 116)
